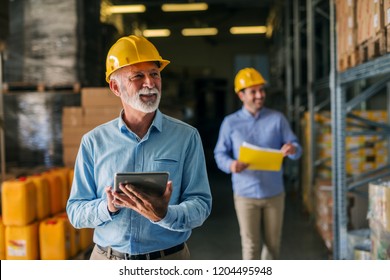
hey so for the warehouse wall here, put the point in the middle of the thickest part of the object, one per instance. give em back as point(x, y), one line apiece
point(4, 21)
point(210, 58)
point(44, 50)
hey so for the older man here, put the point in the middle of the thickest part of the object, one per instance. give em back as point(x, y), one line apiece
point(133, 224)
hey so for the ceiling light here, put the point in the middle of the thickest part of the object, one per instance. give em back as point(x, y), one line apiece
point(184, 7)
point(248, 29)
point(127, 9)
point(156, 32)
point(210, 31)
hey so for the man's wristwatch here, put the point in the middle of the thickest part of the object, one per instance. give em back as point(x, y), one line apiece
point(112, 214)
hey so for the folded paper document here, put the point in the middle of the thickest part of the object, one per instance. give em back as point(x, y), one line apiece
point(260, 158)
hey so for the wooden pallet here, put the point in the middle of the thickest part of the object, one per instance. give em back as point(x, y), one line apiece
point(39, 87)
point(348, 60)
point(373, 47)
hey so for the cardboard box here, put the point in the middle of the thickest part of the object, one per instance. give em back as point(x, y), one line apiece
point(109, 111)
point(99, 97)
point(377, 15)
point(346, 28)
point(69, 155)
point(99, 115)
point(364, 20)
point(71, 135)
point(72, 116)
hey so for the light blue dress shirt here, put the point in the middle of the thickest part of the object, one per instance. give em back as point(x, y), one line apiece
point(268, 129)
point(169, 145)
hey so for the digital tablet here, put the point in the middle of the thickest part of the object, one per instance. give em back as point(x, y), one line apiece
point(148, 182)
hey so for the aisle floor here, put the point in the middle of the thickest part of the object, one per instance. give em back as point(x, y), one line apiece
point(219, 239)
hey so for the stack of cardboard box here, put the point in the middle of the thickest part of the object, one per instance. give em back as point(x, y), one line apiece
point(362, 31)
point(347, 51)
point(98, 105)
point(365, 153)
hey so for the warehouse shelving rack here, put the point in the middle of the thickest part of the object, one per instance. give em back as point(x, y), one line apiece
point(309, 25)
point(379, 69)
point(306, 94)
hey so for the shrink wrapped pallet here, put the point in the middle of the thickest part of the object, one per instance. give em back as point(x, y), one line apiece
point(43, 42)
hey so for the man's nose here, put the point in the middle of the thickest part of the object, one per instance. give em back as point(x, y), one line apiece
point(149, 81)
point(259, 93)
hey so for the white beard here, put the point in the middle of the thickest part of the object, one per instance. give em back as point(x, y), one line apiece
point(136, 102)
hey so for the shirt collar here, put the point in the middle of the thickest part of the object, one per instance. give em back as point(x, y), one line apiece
point(247, 114)
point(157, 121)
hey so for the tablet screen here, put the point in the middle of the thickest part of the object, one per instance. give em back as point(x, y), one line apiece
point(148, 182)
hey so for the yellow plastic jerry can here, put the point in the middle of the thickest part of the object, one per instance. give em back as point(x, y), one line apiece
point(21, 242)
point(19, 203)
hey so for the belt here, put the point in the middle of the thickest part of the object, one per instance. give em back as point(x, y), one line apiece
point(148, 256)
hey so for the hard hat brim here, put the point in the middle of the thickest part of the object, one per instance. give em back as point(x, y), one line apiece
point(163, 64)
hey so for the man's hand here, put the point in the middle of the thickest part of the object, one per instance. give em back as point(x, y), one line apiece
point(288, 149)
point(237, 166)
point(150, 206)
point(110, 197)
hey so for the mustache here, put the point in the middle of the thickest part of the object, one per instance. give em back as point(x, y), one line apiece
point(148, 91)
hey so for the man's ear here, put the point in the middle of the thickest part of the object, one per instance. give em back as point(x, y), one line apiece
point(240, 94)
point(115, 87)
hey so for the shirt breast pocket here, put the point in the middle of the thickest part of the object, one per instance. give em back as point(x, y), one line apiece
point(170, 165)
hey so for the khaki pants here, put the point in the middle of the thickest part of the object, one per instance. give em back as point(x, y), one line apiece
point(98, 254)
point(260, 222)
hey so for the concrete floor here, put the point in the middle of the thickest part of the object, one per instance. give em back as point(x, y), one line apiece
point(219, 239)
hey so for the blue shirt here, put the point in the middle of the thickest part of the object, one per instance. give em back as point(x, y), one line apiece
point(169, 145)
point(268, 129)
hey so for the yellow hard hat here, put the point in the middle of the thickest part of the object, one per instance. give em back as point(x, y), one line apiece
point(247, 77)
point(130, 50)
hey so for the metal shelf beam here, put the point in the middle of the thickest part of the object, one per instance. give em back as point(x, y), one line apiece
point(375, 67)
